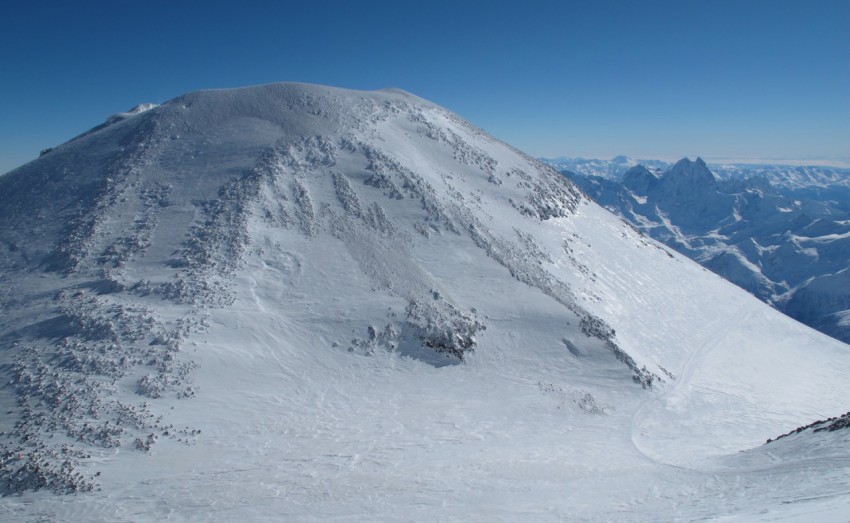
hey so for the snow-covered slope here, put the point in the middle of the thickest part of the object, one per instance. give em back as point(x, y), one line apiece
point(789, 248)
point(300, 303)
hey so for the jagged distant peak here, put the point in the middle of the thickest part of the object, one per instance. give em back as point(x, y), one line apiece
point(639, 169)
point(687, 163)
point(614, 168)
point(696, 170)
point(640, 178)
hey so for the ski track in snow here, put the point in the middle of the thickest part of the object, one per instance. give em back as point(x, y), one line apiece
point(738, 316)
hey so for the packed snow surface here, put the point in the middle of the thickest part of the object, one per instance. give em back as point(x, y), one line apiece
point(300, 303)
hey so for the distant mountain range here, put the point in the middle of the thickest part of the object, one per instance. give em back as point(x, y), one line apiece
point(779, 175)
point(780, 232)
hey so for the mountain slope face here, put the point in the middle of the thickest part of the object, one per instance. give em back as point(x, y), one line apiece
point(307, 303)
point(788, 248)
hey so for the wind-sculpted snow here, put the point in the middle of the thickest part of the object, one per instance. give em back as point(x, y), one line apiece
point(93, 337)
point(327, 304)
point(215, 246)
point(67, 376)
point(381, 247)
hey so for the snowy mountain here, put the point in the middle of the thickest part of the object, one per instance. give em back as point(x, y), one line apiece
point(814, 179)
point(788, 177)
point(613, 168)
point(301, 303)
point(790, 248)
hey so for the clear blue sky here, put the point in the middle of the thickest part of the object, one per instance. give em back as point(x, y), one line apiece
point(744, 78)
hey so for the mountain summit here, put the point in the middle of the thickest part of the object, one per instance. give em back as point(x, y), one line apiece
point(302, 300)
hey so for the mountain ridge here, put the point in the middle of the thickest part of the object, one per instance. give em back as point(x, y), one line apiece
point(782, 245)
point(794, 176)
